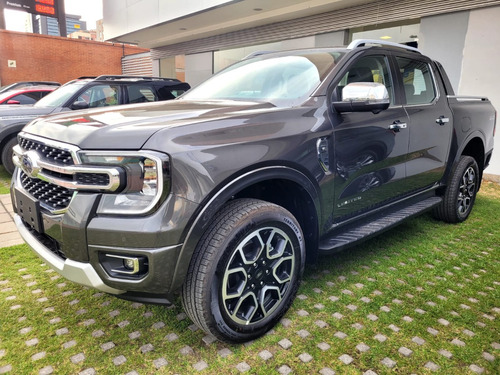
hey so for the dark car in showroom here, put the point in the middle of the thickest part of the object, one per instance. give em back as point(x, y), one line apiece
point(84, 93)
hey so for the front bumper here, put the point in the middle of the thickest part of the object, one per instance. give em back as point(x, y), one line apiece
point(79, 272)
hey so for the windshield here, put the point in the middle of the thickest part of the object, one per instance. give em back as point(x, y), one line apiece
point(284, 81)
point(60, 96)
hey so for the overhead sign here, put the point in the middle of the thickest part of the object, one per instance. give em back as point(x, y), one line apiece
point(42, 7)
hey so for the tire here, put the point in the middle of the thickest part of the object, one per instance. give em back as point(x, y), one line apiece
point(245, 271)
point(7, 153)
point(460, 194)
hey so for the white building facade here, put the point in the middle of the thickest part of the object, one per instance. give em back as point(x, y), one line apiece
point(193, 39)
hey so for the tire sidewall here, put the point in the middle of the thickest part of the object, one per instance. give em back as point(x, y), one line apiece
point(464, 165)
point(7, 154)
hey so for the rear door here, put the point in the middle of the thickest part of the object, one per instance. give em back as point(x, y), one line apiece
point(370, 153)
point(430, 120)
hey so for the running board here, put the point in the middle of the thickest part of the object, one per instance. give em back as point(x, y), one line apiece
point(364, 229)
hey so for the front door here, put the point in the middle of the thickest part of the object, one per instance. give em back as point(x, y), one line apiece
point(370, 148)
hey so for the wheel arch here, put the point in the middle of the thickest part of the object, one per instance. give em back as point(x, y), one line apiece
point(268, 184)
point(474, 147)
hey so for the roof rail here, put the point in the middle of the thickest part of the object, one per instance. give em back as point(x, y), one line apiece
point(138, 78)
point(363, 42)
point(256, 53)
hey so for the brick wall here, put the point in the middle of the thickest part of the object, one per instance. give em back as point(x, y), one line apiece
point(50, 58)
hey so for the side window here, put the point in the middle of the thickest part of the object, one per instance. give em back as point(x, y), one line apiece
point(368, 69)
point(101, 96)
point(167, 92)
point(27, 98)
point(417, 80)
point(141, 94)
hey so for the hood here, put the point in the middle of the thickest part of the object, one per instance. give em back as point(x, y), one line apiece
point(130, 126)
point(16, 112)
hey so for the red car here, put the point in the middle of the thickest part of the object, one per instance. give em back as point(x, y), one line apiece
point(27, 95)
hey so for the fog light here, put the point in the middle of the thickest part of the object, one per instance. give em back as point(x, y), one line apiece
point(124, 266)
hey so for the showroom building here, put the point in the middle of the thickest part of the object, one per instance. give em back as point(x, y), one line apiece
point(193, 39)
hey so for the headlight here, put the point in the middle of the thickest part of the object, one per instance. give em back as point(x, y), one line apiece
point(147, 180)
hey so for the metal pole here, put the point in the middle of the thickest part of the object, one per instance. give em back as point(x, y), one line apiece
point(2, 17)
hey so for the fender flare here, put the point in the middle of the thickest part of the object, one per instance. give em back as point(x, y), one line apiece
point(209, 209)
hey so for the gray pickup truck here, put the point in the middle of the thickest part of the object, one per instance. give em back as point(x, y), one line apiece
point(224, 193)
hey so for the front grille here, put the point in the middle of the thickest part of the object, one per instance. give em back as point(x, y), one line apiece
point(94, 179)
point(48, 153)
point(51, 196)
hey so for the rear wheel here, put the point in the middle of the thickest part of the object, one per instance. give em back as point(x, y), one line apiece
point(245, 270)
point(461, 192)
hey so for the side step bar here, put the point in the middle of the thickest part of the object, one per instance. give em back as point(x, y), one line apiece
point(366, 228)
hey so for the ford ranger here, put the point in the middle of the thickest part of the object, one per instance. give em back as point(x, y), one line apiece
point(223, 194)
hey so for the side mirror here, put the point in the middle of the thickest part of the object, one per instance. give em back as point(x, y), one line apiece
point(12, 101)
point(79, 105)
point(363, 97)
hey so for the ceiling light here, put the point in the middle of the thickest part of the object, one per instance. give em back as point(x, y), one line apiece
point(386, 37)
point(257, 9)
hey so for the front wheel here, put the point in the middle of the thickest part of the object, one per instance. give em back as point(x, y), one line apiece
point(460, 193)
point(245, 270)
point(7, 153)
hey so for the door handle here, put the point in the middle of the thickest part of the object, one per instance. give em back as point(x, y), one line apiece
point(442, 120)
point(397, 126)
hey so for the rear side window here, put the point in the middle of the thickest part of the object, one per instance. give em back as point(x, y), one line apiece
point(417, 80)
point(101, 96)
point(141, 94)
point(27, 98)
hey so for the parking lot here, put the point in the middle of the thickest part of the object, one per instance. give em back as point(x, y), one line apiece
point(423, 298)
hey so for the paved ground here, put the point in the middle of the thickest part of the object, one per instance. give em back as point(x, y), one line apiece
point(9, 235)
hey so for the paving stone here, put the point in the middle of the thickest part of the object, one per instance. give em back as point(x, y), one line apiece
point(380, 338)
point(302, 297)
point(432, 331)
point(2, 352)
point(352, 307)
point(97, 333)
point(158, 325)
point(285, 344)
point(305, 357)
point(319, 306)
point(397, 301)
point(432, 366)
point(120, 360)
point(5, 369)
point(160, 362)
point(243, 367)
point(200, 366)
point(458, 342)
point(323, 346)
point(362, 347)
point(357, 326)
point(388, 362)
point(123, 324)
point(326, 371)
point(443, 322)
point(286, 322)
point(365, 299)
point(495, 345)
point(445, 353)
point(69, 344)
point(62, 331)
point(333, 298)
point(209, 339)
point(134, 335)
point(321, 323)
point(186, 350)
point(476, 369)
point(147, 348)
point(114, 313)
point(405, 351)
point(417, 340)
point(24, 331)
point(38, 356)
point(347, 292)
point(407, 319)
point(302, 313)
point(284, 370)
point(372, 317)
point(171, 337)
point(107, 346)
point(489, 357)
point(420, 311)
point(47, 370)
point(385, 309)
point(468, 333)
point(394, 328)
point(77, 358)
point(340, 335)
point(225, 352)
point(337, 315)
point(346, 359)
point(32, 342)
point(88, 322)
point(303, 333)
point(265, 355)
